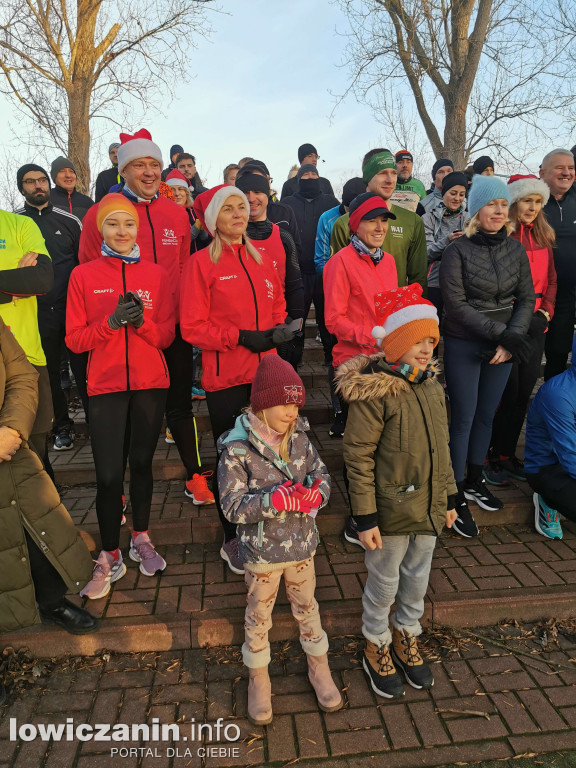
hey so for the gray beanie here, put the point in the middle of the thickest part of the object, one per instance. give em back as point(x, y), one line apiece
point(58, 165)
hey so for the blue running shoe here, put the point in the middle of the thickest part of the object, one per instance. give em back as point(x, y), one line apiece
point(546, 519)
point(198, 393)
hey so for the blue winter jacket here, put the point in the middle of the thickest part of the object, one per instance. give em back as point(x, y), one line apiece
point(323, 234)
point(551, 425)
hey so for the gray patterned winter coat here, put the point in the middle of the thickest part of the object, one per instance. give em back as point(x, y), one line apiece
point(249, 471)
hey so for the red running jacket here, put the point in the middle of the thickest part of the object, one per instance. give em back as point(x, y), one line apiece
point(217, 300)
point(163, 237)
point(542, 268)
point(351, 282)
point(128, 358)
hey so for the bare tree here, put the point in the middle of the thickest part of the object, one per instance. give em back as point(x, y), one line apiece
point(66, 62)
point(489, 70)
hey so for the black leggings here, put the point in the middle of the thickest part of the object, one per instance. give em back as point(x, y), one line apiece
point(179, 416)
point(110, 415)
point(514, 404)
point(223, 407)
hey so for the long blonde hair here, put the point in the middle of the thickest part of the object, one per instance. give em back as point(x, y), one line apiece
point(472, 226)
point(217, 246)
point(543, 232)
point(284, 447)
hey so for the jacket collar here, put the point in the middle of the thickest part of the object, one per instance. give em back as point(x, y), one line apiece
point(370, 378)
point(34, 213)
point(242, 431)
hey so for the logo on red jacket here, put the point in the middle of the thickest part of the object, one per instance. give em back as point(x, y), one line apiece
point(270, 287)
point(169, 237)
point(146, 297)
point(293, 393)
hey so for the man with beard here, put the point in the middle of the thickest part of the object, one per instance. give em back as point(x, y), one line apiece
point(186, 164)
point(61, 232)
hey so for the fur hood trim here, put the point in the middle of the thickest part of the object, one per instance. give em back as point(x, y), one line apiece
point(368, 377)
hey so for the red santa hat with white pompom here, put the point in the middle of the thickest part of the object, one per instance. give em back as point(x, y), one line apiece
point(405, 318)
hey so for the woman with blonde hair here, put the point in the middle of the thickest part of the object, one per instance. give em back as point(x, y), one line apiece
point(233, 308)
point(528, 195)
point(488, 299)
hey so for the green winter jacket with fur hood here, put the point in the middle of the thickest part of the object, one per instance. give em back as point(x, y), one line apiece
point(395, 448)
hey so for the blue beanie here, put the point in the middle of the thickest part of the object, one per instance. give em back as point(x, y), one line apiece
point(484, 189)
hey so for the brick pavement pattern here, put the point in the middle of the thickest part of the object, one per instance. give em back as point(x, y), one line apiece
point(487, 704)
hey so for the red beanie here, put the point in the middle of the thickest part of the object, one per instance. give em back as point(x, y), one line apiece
point(276, 383)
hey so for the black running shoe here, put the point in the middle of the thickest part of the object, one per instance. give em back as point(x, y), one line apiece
point(464, 524)
point(351, 533)
point(514, 468)
point(479, 493)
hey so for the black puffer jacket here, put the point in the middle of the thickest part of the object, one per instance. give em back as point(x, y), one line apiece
point(487, 287)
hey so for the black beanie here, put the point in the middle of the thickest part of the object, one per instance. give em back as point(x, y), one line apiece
point(253, 182)
point(252, 166)
point(21, 172)
point(176, 149)
point(58, 165)
point(482, 163)
point(305, 150)
point(454, 179)
point(352, 189)
point(440, 163)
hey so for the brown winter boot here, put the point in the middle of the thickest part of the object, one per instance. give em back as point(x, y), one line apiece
point(407, 657)
point(381, 671)
point(259, 697)
point(328, 695)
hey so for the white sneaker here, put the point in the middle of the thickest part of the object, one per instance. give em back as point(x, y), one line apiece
point(106, 570)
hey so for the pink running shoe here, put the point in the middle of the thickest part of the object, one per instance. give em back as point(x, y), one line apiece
point(106, 570)
point(142, 551)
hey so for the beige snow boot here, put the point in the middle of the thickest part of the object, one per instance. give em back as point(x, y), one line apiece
point(259, 696)
point(328, 695)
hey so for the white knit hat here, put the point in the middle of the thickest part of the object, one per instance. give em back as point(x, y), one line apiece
point(207, 204)
point(521, 186)
point(134, 147)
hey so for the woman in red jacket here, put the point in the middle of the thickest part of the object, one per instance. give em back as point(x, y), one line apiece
point(231, 303)
point(120, 311)
point(352, 279)
point(528, 195)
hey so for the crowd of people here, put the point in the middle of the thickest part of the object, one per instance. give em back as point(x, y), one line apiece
point(132, 290)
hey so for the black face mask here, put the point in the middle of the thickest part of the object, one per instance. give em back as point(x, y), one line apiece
point(309, 188)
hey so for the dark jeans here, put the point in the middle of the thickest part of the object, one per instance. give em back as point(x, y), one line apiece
point(514, 403)
point(557, 488)
point(179, 415)
point(49, 587)
point(52, 333)
point(475, 388)
point(314, 292)
point(223, 408)
point(560, 334)
point(110, 415)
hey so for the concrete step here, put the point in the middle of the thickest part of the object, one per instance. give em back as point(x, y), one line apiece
point(198, 602)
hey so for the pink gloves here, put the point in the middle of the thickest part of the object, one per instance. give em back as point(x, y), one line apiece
point(297, 498)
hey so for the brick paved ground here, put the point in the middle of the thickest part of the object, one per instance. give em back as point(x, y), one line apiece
point(530, 706)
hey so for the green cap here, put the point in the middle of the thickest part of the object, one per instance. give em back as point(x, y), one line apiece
point(376, 164)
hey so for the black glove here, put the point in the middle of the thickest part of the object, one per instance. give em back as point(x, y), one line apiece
point(281, 334)
point(538, 325)
point(120, 315)
point(519, 345)
point(136, 312)
point(257, 341)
